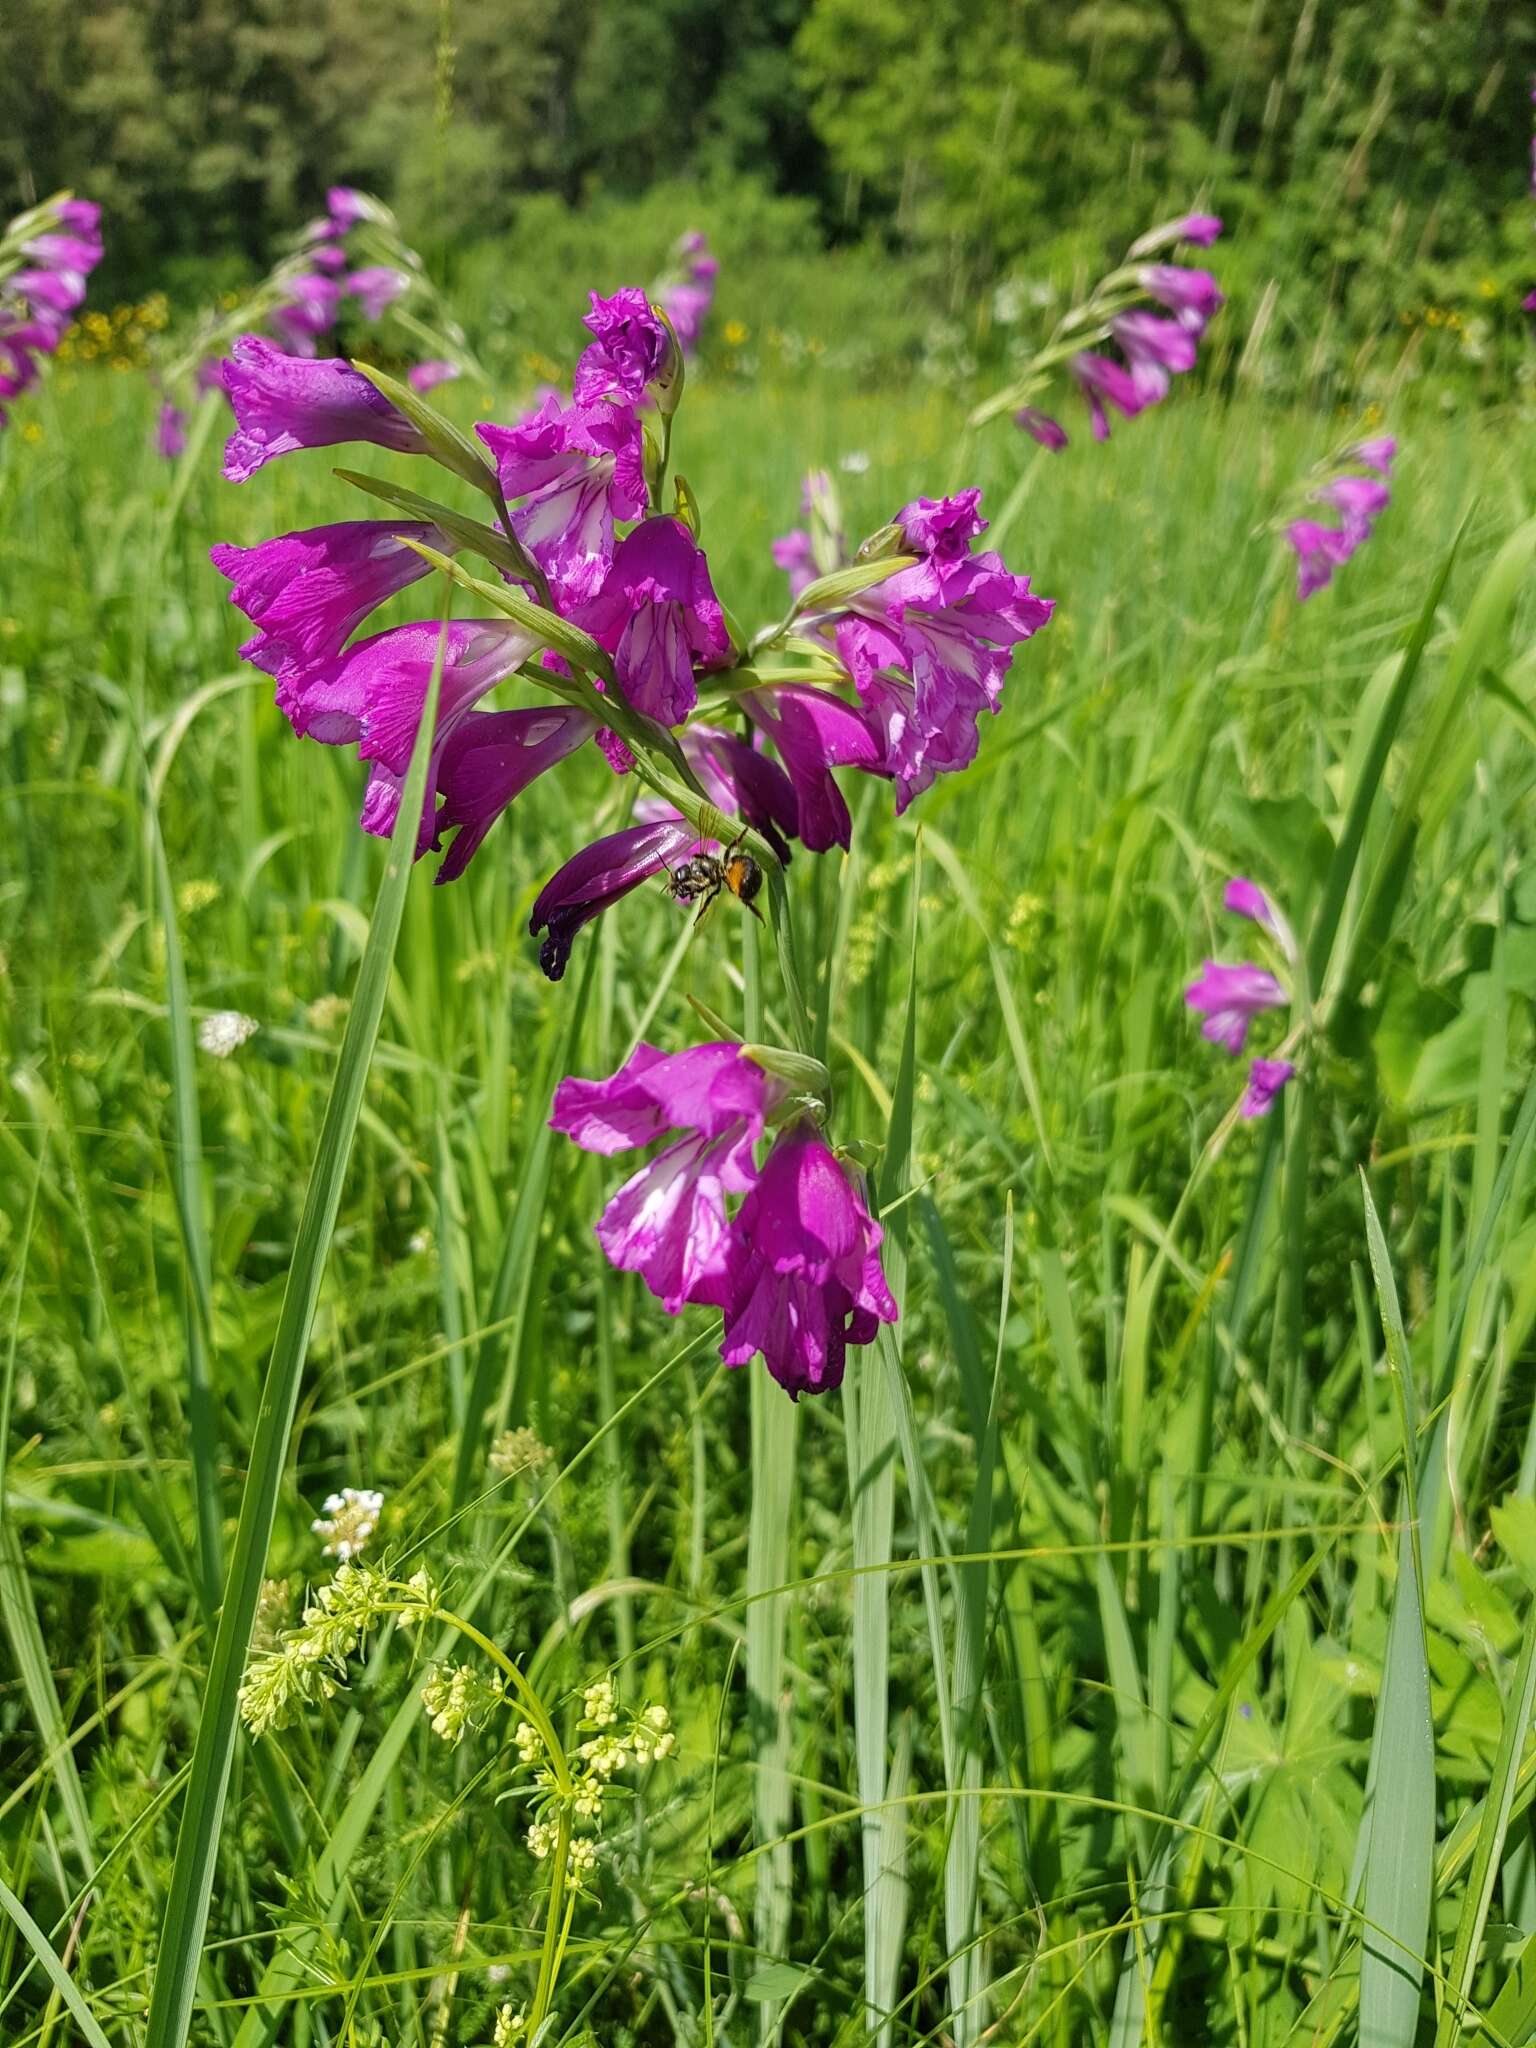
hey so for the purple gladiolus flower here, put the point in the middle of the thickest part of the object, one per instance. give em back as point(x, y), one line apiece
point(170, 431)
point(376, 288)
point(793, 553)
point(1199, 228)
point(815, 732)
point(309, 591)
point(425, 377)
point(1360, 498)
point(1229, 998)
point(739, 779)
point(598, 876)
point(1265, 1080)
point(1050, 433)
point(373, 696)
point(928, 650)
point(657, 614)
point(309, 312)
point(1379, 453)
point(942, 529)
point(283, 403)
point(1319, 551)
point(580, 468)
point(806, 1279)
point(490, 758)
point(1249, 900)
point(1099, 378)
point(686, 300)
point(1154, 349)
point(1192, 296)
point(630, 350)
point(668, 1222)
point(329, 257)
point(346, 206)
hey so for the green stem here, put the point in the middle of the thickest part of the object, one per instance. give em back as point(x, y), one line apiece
point(554, 1931)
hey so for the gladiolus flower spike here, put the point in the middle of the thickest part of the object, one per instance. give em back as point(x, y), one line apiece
point(612, 631)
point(1138, 329)
point(1228, 998)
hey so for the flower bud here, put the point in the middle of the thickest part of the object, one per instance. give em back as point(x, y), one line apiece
point(806, 1077)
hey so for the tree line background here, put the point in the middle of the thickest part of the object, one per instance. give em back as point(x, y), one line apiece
point(1378, 150)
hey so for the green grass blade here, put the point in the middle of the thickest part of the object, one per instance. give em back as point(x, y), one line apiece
point(53, 1969)
point(1399, 1857)
point(18, 1610)
point(186, 1914)
point(197, 1265)
point(1490, 1845)
point(774, 1421)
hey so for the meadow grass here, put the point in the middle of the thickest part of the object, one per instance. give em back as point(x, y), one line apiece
point(1139, 1648)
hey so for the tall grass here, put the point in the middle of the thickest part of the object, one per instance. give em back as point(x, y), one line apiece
point(1138, 1650)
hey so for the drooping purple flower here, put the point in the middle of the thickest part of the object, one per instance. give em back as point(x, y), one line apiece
point(1199, 228)
point(308, 592)
point(1229, 998)
point(282, 403)
point(1155, 350)
point(1192, 296)
point(630, 349)
point(686, 297)
point(1100, 378)
point(600, 875)
point(815, 732)
point(425, 377)
point(329, 257)
point(793, 553)
point(170, 431)
point(737, 778)
point(579, 468)
point(1378, 453)
point(373, 695)
point(668, 1222)
point(928, 650)
point(657, 615)
point(1247, 899)
point(1319, 551)
point(376, 288)
point(491, 757)
point(347, 206)
point(1040, 426)
point(1360, 498)
point(806, 1279)
point(308, 312)
point(1265, 1080)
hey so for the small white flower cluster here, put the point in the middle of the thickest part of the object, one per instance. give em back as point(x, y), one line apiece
point(349, 1518)
point(606, 1750)
point(509, 2028)
point(518, 1450)
point(223, 1032)
point(457, 1698)
point(310, 1661)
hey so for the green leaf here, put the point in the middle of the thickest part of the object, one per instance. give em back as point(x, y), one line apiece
point(186, 1913)
point(473, 534)
point(453, 449)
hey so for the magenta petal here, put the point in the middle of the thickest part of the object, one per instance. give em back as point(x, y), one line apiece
point(815, 732)
point(708, 1088)
point(668, 1222)
point(942, 527)
point(739, 779)
point(629, 350)
point(657, 615)
point(1265, 1080)
point(282, 403)
point(1229, 998)
point(309, 591)
point(597, 877)
point(490, 758)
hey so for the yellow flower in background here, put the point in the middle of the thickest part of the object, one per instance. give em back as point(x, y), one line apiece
point(735, 333)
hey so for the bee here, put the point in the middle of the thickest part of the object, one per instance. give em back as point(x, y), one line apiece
point(704, 877)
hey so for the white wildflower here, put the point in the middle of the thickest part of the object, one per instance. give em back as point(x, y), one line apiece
point(855, 462)
point(541, 1839)
point(349, 1519)
point(224, 1032)
point(582, 1860)
point(598, 1706)
point(530, 1746)
point(509, 2028)
point(518, 1450)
